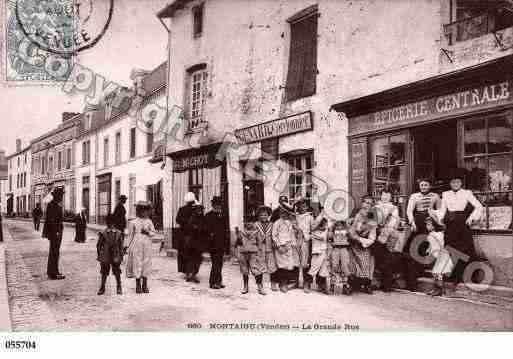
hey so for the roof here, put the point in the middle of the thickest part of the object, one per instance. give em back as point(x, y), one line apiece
point(26, 148)
point(426, 88)
point(170, 9)
point(62, 126)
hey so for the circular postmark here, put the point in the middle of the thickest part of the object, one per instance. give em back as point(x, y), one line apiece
point(64, 27)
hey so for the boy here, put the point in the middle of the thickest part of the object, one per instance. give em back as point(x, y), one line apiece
point(339, 257)
point(110, 254)
point(319, 262)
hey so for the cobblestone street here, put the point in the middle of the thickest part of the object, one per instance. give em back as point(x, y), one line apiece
point(37, 304)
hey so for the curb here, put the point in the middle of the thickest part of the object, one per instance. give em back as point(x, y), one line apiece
point(5, 315)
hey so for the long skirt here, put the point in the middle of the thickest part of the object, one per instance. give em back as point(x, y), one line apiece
point(443, 263)
point(362, 262)
point(142, 256)
point(339, 263)
point(459, 236)
point(319, 265)
point(80, 233)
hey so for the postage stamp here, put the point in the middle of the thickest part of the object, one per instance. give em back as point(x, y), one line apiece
point(42, 38)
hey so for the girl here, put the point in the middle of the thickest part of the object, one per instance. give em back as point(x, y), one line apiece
point(319, 261)
point(362, 234)
point(339, 257)
point(443, 263)
point(140, 231)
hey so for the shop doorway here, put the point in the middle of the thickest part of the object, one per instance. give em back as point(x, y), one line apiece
point(253, 188)
point(435, 153)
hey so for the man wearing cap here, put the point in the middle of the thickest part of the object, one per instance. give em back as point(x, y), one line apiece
point(119, 215)
point(216, 225)
point(182, 219)
point(53, 228)
point(458, 234)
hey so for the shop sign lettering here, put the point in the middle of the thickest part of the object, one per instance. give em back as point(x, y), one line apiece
point(280, 127)
point(454, 103)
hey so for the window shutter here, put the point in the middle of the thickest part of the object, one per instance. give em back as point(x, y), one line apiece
point(310, 56)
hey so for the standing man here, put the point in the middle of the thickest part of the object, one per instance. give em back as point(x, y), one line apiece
point(119, 215)
point(53, 231)
point(182, 218)
point(195, 243)
point(37, 213)
point(216, 225)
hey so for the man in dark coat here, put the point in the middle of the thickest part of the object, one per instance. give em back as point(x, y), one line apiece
point(182, 218)
point(194, 243)
point(216, 224)
point(37, 213)
point(80, 226)
point(119, 215)
point(52, 230)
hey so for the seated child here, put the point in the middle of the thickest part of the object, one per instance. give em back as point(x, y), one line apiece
point(110, 250)
point(339, 257)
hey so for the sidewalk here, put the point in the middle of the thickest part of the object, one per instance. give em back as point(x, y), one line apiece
point(5, 316)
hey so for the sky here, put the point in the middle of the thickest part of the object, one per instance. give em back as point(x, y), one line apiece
point(134, 39)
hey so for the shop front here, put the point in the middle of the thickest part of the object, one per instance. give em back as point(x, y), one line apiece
point(199, 171)
point(422, 130)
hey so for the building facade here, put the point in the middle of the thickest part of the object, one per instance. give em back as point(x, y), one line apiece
point(329, 97)
point(18, 197)
point(4, 181)
point(53, 162)
point(118, 155)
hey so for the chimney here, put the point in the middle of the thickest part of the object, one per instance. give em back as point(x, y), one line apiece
point(18, 145)
point(67, 115)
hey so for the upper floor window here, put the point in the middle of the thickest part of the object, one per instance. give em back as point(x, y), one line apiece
point(59, 160)
point(118, 147)
point(474, 18)
point(197, 20)
point(302, 70)
point(86, 152)
point(18, 161)
point(149, 138)
point(133, 138)
point(105, 152)
point(197, 88)
point(68, 158)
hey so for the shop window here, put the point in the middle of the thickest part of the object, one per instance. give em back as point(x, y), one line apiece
point(197, 20)
point(196, 182)
point(302, 69)
point(197, 94)
point(132, 142)
point(475, 18)
point(389, 168)
point(487, 156)
point(300, 176)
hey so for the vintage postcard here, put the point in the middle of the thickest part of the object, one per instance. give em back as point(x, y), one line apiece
point(263, 166)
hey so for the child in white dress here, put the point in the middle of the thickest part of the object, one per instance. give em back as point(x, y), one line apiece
point(443, 264)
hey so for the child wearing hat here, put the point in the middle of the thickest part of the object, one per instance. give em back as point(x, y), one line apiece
point(110, 249)
point(250, 256)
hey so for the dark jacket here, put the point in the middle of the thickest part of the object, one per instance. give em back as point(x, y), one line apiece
point(37, 213)
point(110, 246)
point(216, 227)
point(120, 217)
point(183, 215)
point(53, 222)
point(195, 234)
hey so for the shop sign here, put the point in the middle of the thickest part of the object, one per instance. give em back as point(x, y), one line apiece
point(276, 128)
point(452, 104)
point(195, 160)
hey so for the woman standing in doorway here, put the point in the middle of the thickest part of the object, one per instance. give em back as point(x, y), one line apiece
point(419, 205)
point(457, 220)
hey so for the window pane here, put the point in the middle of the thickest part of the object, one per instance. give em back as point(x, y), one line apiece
point(397, 150)
point(474, 137)
point(299, 166)
point(499, 211)
point(397, 182)
point(476, 175)
point(499, 135)
point(308, 163)
point(482, 224)
point(500, 173)
point(380, 152)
